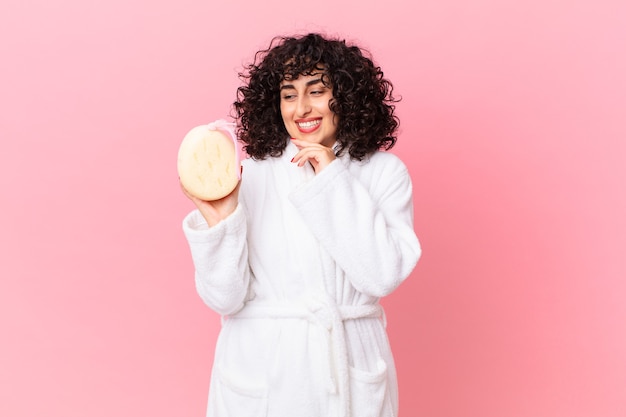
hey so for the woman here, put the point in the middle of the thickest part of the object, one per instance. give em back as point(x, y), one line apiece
point(318, 229)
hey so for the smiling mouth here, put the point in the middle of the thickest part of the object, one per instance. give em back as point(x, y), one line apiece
point(308, 125)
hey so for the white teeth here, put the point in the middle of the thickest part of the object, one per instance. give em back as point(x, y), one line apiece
point(307, 125)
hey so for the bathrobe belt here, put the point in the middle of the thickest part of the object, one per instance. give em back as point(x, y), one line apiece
point(324, 312)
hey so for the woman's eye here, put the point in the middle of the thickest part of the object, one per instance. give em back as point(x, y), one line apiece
point(288, 97)
point(317, 92)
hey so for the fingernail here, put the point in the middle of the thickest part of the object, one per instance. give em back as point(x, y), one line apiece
point(293, 138)
point(292, 159)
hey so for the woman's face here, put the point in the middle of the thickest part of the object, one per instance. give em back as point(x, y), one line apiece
point(304, 106)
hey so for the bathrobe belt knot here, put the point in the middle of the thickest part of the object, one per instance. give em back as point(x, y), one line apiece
point(326, 313)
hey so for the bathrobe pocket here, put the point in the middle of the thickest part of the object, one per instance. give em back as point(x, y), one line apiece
point(368, 392)
point(237, 397)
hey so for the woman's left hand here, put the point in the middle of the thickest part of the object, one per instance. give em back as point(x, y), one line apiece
point(318, 155)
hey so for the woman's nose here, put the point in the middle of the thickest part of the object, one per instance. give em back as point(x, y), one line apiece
point(304, 106)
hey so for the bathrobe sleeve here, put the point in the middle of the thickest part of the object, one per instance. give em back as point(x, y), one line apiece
point(220, 257)
point(368, 230)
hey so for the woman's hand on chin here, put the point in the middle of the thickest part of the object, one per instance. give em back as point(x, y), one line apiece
point(318, 155)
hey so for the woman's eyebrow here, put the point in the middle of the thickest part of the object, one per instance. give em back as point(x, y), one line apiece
point(308, 84)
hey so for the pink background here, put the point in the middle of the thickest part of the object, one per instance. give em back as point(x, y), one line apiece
point(513, 127)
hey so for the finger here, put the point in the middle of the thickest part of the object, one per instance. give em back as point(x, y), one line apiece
point(307, 156)
point(315, 151)
point(182, 187)
point(299, 142)
point(302, 144)
point(302, 156)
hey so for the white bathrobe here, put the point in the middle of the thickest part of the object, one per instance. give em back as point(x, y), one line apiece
point(297, 271)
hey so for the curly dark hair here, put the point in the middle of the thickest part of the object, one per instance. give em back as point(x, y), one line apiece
point(362, 98)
